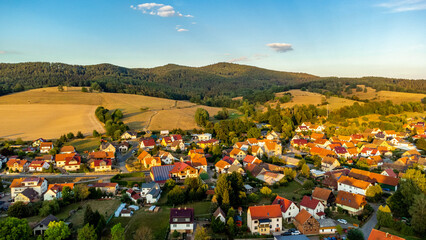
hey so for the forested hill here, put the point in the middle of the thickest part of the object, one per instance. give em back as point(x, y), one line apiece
point(182, 82)
point(171, 81)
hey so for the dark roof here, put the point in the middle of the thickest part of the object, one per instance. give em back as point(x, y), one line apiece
point(148, 185)
point(181, 215)
point(161, 173)
point(30, 193)
point(219, 211)
point(292, 237)
point(47, 220)
point(154, 192)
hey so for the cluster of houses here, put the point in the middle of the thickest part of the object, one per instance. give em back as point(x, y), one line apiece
point(359, 147)
point(33, 189)
point(68, 159)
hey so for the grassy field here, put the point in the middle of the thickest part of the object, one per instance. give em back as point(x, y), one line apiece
point(158, 222)
point(86, 144)
point(48, 113)
point(291, 192)
point(395, 97)
point(104, 207)
point(302, 97)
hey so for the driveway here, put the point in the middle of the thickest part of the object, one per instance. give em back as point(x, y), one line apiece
point(122, 157)
point(368, 226)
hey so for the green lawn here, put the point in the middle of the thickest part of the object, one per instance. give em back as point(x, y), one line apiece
point(394, 232)
point(85, 144)
point(104, 207)
point(158, 222)
point(291, 192)
point(347, 217)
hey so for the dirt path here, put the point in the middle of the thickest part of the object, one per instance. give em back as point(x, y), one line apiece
point(91, 117)
point(150, 119)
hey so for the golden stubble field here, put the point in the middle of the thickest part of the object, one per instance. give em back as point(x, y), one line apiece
point(305, 98)
point(395, 97)
point(48, 113)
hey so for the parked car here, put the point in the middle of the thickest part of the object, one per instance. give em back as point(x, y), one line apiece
point(343, 221)
point(295, 232)
point(292, 230)
point(286, 234)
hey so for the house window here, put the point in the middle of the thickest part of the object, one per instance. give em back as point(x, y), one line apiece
point(187, 225)
point(174, 225)
point(255, 228)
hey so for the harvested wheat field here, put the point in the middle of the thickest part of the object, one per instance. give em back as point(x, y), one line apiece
point(30, 121)
point(395, 97)
point(305, 98)
point(57, 112)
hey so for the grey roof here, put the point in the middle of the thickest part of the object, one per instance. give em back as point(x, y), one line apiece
point(292, 237)
point(154, 192)
point(219, 211)
point(148, 185)
point(161, 173)
point(327, 222)
point(47, 220)
point(248, 187)
point(30, 193)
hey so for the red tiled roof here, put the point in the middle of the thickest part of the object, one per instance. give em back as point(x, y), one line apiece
point(309, 202)
point(267, 211)
point(283, 202)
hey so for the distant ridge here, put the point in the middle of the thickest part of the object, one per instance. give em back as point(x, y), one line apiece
point(183, 82)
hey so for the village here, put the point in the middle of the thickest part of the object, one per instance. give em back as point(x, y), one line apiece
point(175, 185)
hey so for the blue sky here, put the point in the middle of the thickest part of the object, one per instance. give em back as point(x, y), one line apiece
point(326, 38)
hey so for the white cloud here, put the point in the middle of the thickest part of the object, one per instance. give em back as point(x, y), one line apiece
point(403, 5)
point(240, 59)
point(159, 9)
point(280, 47)
point(182, 30)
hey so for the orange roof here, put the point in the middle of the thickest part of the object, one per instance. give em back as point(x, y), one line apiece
point(321, 193)
point(143, 155)
point(67, 149)
point(350, 199)
point(201, 160)
point(194, 151)
point(252, 140)
point(267, 211)
point(302, 216)
point(378, 177)
point(46, 144)
point(255, 149)
point(354, 182)
point(345, 138)
point(17, 182)
point(349, 144)
point(149, 160)
point(321, 141)
point(12, 162)
point(61, 185)
point(235, 151)
point(328, 160)
point(64, 156)
point(321, 151)
point(379, 235)
point(36, 163)
point(352, 151)
point(317, 135)
point(283, 202)
point(222, 164)
point(101, 154)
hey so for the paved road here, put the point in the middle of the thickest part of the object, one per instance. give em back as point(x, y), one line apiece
point(368, 226)
point(121, 158)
